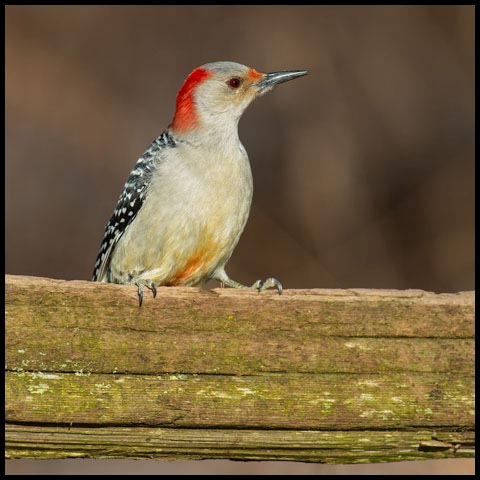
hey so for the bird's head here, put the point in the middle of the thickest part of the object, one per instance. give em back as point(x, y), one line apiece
point(216, 94)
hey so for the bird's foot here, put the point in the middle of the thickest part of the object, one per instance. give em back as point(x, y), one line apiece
point(145, 283)
point(261, 285)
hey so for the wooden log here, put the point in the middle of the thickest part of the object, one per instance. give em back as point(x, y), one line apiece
point(353, 375)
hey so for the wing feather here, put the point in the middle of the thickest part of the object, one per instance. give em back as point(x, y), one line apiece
point(129, 204)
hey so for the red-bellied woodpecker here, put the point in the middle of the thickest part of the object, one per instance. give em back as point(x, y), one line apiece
point(186, 201)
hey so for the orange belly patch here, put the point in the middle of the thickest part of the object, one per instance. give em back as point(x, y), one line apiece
point(191, 269)
point(196, 267)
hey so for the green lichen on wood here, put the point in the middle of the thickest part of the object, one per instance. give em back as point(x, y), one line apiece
point(322, 401)
point(156, 352)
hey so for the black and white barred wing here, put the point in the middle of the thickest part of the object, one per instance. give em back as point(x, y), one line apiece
point(129, 204)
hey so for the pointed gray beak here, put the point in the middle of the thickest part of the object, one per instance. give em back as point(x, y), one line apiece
point(275, 78)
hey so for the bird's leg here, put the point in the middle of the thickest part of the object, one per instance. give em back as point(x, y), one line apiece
point(145, 283)
point(259, 285)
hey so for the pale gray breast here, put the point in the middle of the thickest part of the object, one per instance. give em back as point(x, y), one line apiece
point(196, 209)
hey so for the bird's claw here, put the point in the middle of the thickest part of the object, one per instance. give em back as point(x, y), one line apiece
point(152, 287)
point(261, 285)
point(140, 294)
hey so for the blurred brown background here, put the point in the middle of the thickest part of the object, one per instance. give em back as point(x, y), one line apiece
point(363, 170)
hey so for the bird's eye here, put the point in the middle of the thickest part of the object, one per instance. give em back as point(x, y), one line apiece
point(234, 82)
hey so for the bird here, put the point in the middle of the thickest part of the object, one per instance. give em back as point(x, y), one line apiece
point(187, 199)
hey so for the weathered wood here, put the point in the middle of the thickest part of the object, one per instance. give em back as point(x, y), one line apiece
point(392, 366)
point(299, 445)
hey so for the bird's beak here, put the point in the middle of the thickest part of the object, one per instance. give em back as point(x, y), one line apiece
point(270, 80)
